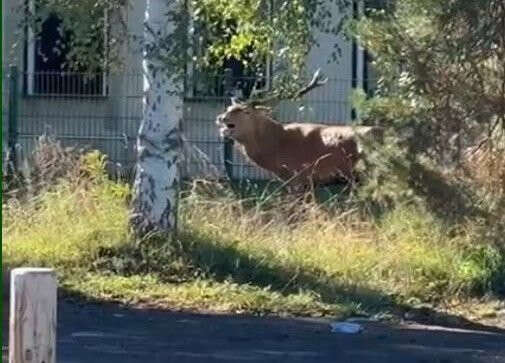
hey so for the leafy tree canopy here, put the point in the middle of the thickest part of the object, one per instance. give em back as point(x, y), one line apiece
point(441, 72)
point(440, 93)
point(248, 30)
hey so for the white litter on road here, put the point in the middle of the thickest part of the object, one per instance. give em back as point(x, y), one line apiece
point(347, 328)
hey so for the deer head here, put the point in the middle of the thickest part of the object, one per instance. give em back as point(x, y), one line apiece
point(239, 118)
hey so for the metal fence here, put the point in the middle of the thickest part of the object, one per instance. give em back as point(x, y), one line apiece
point(104, 112)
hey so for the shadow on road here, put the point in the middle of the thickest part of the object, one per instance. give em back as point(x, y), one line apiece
point(107, 333)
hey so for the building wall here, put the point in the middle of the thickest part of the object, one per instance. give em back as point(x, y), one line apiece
point(109, 123)
point(330, 103)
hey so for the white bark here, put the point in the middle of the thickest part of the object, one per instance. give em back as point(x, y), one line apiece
point(158, 143)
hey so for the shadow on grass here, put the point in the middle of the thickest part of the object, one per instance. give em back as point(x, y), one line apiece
point(449, 202)
point(223, 261)
point(456, 204)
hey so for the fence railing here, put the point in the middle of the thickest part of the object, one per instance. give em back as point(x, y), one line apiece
point(104, 111)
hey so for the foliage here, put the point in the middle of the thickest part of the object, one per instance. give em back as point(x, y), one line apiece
point(65, 224)
point(441, 79)
point(257, 30)
point(86, 26)
point(440, 96)
point(42, 171)
point(249, 31)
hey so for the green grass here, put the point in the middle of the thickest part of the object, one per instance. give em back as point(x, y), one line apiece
point(202, 295)
point(64, 228)
point(264, 254)
point(408, 252)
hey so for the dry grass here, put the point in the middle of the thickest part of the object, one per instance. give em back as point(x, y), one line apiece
point(407, 252)
point(66, 223)
point(485, 163)
point(267, 253)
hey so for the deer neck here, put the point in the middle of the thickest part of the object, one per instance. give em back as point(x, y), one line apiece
point(267, 137)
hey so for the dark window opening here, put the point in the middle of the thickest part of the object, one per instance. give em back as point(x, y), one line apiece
point(50, 73)
point(232, 77)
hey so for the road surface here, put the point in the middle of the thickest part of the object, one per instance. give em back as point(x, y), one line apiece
point(110, 334)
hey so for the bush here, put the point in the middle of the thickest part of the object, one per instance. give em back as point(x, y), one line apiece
point(439, 97)
point(66, 211)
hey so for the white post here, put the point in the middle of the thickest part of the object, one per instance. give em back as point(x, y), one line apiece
point(32, 335)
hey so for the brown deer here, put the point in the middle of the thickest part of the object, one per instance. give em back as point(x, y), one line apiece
point(301, 153)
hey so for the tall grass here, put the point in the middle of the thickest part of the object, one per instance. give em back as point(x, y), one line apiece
point(261, 253)
point(408, 251)
point(66, 224)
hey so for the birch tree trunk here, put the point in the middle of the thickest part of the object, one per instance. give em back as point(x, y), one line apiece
point(158, 142)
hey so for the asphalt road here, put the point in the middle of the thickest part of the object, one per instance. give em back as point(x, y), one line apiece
point(99, 333)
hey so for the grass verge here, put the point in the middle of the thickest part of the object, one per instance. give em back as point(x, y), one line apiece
point(257, 255)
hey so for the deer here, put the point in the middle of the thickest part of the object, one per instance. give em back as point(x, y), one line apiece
point(301, 154)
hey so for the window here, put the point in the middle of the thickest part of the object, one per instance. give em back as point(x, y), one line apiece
point(47, 71)
point(231, 79)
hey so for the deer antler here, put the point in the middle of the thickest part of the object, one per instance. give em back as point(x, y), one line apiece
point(317, 81)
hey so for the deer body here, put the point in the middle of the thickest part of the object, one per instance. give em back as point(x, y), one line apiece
point(302, 153)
